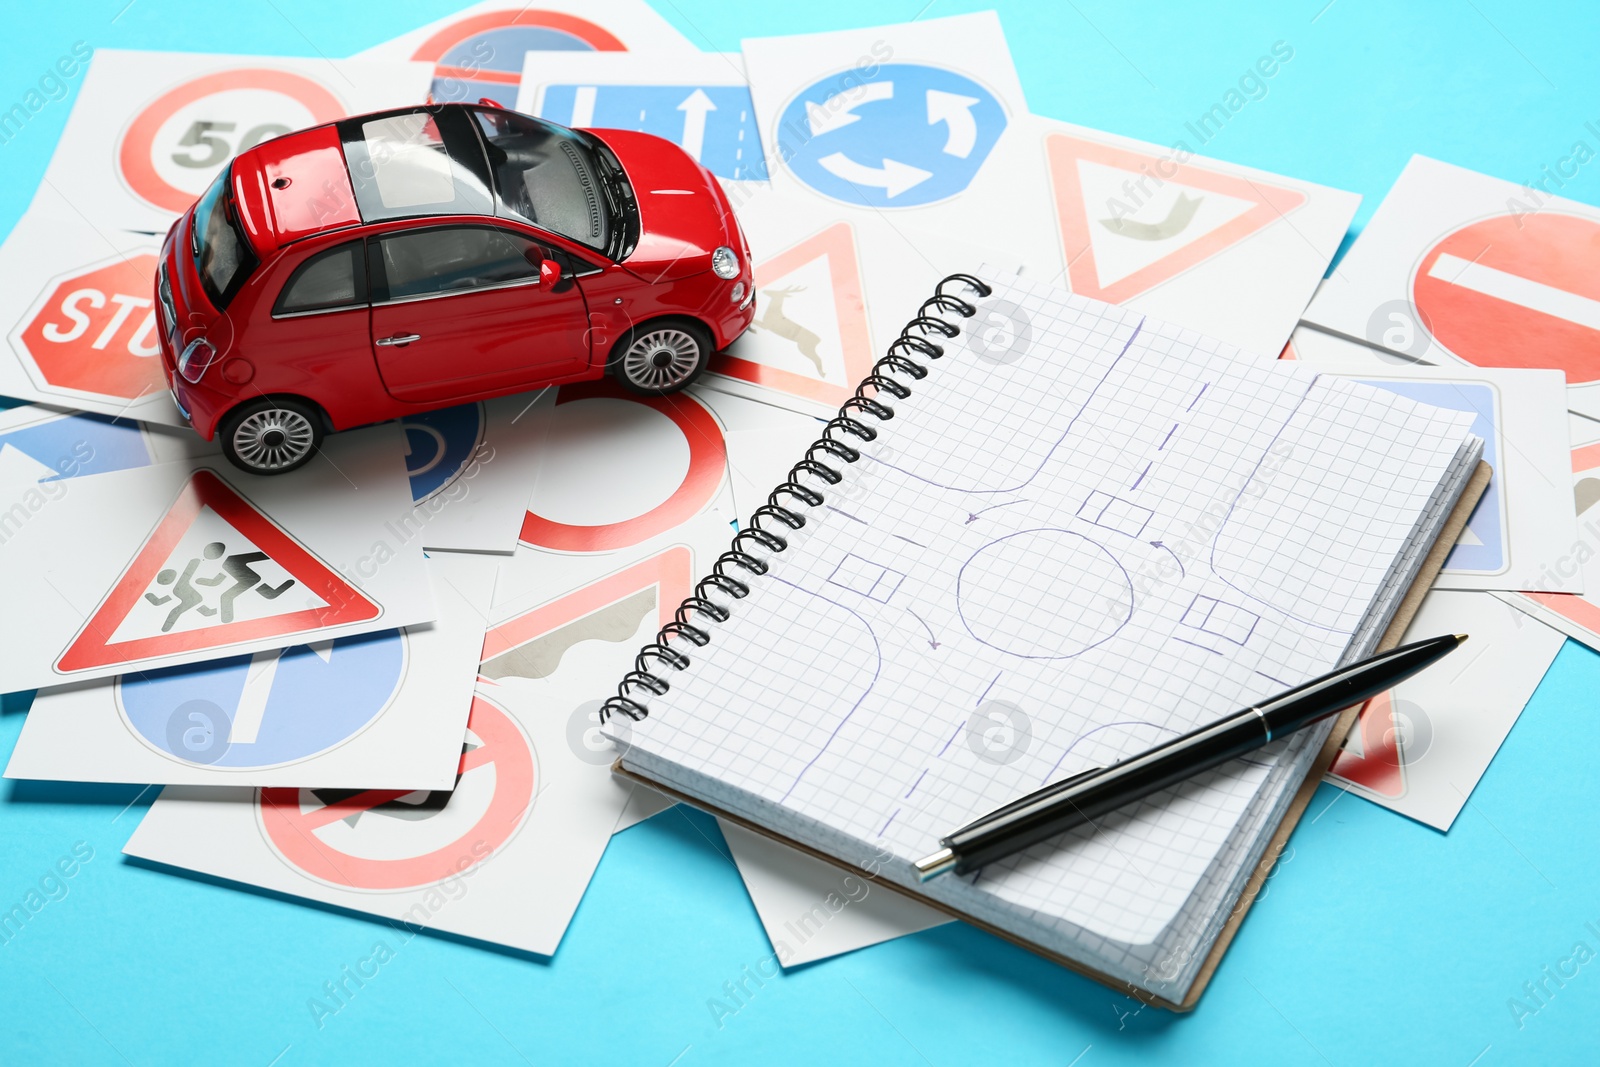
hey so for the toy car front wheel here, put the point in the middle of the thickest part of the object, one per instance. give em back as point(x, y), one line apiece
point(271, 435)
point(661, 357)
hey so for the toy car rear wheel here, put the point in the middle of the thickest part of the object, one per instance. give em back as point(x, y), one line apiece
point(272, 435)
point(661, 357)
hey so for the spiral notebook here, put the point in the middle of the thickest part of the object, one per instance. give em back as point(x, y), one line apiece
point(1048, 533)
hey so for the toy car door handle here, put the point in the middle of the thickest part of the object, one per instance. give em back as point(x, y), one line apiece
point(399, 339)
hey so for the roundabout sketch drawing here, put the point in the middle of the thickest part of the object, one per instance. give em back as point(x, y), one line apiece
point(1044, 594)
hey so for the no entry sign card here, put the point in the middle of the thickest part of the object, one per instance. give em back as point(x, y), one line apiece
point(183, 562)
point(151, 130)
point(1459, 267)
point(383, 710)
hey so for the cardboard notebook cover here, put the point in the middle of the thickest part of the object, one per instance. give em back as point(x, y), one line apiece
point(1431, 565)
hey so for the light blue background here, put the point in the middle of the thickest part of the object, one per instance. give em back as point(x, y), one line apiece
point(1379, 941)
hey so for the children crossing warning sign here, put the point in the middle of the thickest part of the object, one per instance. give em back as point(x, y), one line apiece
point(215, 572)
point(1130, 220)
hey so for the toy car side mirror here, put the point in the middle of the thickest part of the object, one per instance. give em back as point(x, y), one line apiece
point(549, 273)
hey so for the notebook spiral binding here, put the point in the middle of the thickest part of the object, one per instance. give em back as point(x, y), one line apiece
point(913, 340)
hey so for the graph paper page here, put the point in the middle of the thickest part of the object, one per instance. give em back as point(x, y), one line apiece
point(1083, 533)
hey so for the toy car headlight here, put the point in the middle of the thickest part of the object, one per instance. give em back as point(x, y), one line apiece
point(197, 357)
point(724, 263)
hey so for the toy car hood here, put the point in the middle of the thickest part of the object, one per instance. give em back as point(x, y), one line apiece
point(683, 212)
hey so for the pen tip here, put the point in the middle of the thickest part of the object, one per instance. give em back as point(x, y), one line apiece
point(1460, 638)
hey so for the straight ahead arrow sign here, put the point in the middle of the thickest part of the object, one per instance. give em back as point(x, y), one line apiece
point(695, 107)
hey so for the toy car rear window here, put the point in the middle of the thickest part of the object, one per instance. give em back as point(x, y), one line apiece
point(413, 163)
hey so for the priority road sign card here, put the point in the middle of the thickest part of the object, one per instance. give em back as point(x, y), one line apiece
point(1459, 267)
point(1230, 251)
point(151, 130)
point(479, 51)
point(383, 710)
point(1576, 616)
point(77, 307)
point(503, 857)
point(182, 562)
point(1420, 748)
point(700, 102)
point(914, 121)
point(1524, 519)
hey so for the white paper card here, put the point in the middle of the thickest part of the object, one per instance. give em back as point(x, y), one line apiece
point(833, 291)
point(503, 858)
point(378, 711)
point(150, 130)
point(812, 910)
point(77, 304)
point(1230, 251)
point(1525, 517)
point(183, 562)
point(1420, 748)
point(1459, 267)
point(614, 469)
point(1576, 616)
point(912, 120)
point(478, 52)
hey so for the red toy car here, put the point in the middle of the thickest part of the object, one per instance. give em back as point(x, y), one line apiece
point(391, 263)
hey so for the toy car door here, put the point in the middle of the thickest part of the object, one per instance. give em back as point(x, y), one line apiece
point(464, 309)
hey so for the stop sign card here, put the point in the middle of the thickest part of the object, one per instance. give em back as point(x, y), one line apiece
point(1459, 267)
point(77, 306)
point(384, 710)
point(151, 130)
point(182, 562)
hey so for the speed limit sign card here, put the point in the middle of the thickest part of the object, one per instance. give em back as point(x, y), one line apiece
point(384, 710)
point(1458, 267)
point(184, 562)
point(151, 130)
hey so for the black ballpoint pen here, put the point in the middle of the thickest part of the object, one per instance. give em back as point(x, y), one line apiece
point(1084, 797)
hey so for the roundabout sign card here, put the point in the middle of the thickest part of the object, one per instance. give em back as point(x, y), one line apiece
point(1458, 267)
point(150, 130)
point(378, 711)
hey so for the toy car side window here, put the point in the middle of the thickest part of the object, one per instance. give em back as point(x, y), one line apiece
point(327, 281)
point(451, 259)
